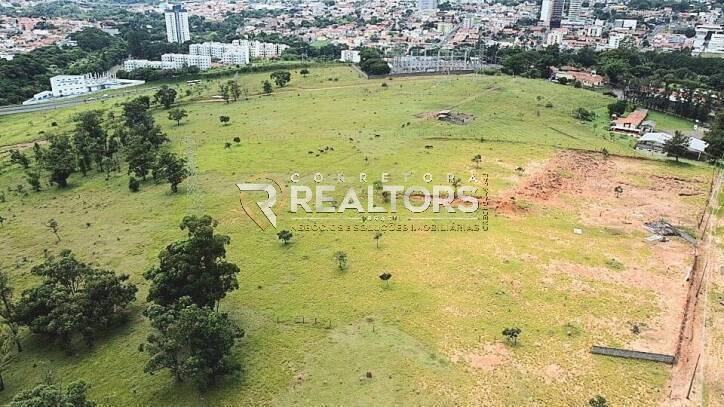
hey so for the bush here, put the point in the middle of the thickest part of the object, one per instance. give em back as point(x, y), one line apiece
point(134, 185)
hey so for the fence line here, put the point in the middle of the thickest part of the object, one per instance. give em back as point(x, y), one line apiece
point(632, 354)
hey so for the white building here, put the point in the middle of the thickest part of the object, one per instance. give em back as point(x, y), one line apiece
point(349, 55)
point(133, 64)
point(203, 62)
point(555, 37)
point(551, 12)
point(69, 85)
point(427, 6)
point(574, 9)
point(237, 57)
point(177, 24)
point(228, 54)
point(628, 24)
point(74, 85)
point(709, 40)
point(614, 40)
point(594, 30)
point(262, 50)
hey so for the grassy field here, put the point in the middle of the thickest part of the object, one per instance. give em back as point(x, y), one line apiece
point(432, 336)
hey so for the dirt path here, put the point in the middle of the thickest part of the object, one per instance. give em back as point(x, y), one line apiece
point(690, 349)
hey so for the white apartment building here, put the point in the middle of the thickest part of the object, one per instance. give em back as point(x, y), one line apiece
point(237, 57)
point(177, 24)
point(709, 39)
point(133, 64)
point(427, 6)
point(215, 50)
point(551, 12)
point(349, 55)
point(614, 40)
point(228, 54)
point(262, 50)
point(628, 24)
point(203, 62)
point(574, 9)
point(594, 30)
point(555, 37)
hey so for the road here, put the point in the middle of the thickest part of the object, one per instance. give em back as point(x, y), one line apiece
point(80, 100)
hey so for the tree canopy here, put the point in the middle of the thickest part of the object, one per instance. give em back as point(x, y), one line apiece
point(73, 299)
point(194, 267)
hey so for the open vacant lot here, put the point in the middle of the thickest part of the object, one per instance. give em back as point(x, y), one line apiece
point(565, 258)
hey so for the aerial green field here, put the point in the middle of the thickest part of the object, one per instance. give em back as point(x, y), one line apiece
point(432, 336)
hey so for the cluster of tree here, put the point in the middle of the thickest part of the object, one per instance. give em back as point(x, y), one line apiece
point(584, 114)
point(144, 141)
point(372, 63)
point(49, 394)
point(232, 90)
point(715, 138)
point(28, 74)
point(153, 74)
point(648, 78)
point(191, 338)
point(99, 141)
point(74, 299)
point(676, 6)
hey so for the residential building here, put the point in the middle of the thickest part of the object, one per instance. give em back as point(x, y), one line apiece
point(709, 40)
point(655, 142)
point(236, 57)
point(262, 50)
point(551, 12)
point(587, 79)
point(133, 64)
point(614, 40)
point(203, 62)
point(177, 24)
point(631, 124)
point(427, 6)
point(555, 37)
point(574, 9)
point(349, 55)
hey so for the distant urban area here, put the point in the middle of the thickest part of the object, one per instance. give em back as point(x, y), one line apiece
point(77, 47)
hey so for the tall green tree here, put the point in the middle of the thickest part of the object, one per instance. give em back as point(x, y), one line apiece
point(165, 96)
point(267, 87)
point(677, 146)
point(192, 342)
point(73, 299)
point(7, 310)
point(195, 267)
point(171, 168)
point(90, 139)
point(281, 78)
point(715, 138)
point(177, 115)
point(59, 160)
point(7, 354)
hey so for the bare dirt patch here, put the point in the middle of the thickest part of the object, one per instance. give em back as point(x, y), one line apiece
point(488, 359)
point(565, 173)
point(668, 285)
point(592, 179)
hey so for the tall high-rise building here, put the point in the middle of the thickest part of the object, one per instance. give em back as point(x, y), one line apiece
point(574, 9)
point(177, 24)
point(427, 6)
point(551, 12)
